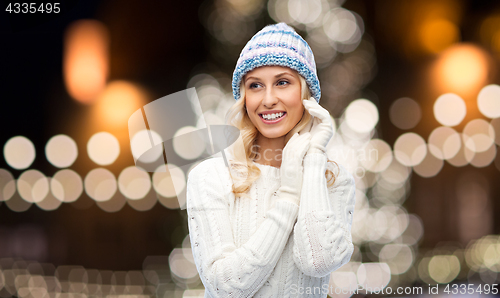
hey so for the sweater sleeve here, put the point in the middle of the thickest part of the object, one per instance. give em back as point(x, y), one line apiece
point(322, 234)
point(224, 269)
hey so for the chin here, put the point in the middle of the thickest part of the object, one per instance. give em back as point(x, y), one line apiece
point(273, 135)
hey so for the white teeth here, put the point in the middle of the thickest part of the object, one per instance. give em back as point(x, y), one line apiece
point(272, 116)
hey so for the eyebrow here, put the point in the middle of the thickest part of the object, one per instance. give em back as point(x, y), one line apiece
point(276, 76)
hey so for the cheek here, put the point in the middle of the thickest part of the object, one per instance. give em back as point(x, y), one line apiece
point(250, 104)
point(297, 99)
point(297, 106)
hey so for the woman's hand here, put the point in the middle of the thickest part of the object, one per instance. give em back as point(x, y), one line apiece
point(322, 128)
point(291, 170)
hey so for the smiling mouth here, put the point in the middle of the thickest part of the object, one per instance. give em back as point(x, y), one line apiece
point(267, 118)
point(272, 120)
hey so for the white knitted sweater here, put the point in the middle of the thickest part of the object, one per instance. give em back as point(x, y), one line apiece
point(266, 246)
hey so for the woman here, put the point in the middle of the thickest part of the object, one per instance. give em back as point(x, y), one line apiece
point(283, 228)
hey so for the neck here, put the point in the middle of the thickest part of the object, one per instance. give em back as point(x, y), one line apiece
point(270, 150)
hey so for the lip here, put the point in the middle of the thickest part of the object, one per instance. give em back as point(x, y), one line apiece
point(272, 112)
point(273, 121)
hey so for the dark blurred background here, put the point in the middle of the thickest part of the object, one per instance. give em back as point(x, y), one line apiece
point(412, 86)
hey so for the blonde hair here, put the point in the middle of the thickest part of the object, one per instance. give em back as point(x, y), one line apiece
point(237, 116)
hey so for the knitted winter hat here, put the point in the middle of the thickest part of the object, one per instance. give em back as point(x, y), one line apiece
point(280, 45)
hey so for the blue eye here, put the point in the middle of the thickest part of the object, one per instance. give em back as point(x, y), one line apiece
point(279, 83)
point(253, 85)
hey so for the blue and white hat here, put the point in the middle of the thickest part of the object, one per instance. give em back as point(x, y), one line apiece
point(280, 45)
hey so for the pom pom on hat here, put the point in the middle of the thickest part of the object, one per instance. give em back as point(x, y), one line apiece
point(279, 45)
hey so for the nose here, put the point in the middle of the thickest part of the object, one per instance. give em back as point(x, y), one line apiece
point(270, 99)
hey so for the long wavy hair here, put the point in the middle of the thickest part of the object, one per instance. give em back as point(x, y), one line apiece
point(243, 171)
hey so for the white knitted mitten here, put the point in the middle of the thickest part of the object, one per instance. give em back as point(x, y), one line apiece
point(322, 129)
point(292, 170)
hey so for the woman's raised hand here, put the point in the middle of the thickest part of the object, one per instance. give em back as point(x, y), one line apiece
point(291, 170)
point(322, 128)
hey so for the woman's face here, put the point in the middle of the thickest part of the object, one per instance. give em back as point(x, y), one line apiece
point(273, 90)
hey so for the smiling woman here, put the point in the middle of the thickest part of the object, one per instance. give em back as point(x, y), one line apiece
point(273, 104)
point(287, 223)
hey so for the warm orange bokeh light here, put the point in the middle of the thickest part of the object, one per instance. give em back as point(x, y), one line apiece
point(438, 34)
point(85, 61)
point(422, 27)
point(489, 32)
point(462, 69)
point(118, 102)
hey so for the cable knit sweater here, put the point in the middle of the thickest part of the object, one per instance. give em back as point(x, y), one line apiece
point(267, 246)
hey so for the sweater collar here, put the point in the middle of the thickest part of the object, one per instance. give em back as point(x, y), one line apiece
point(267, 170)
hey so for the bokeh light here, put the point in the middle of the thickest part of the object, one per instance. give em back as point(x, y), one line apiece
point(436, 34)
point(78, 279)
point(229, 26)
point(341, 279)
point(430, 165)
point(134, 183)
point(399, 257)
point(156, 270)
point(484, 253)
point(66, 185)
point(140, 143)
point(340, 25)
point(187, 144)
point(361, 115)
point(374, 275)
point(33, 186)
point(444, 268)
point(488, 101)
point(85, 61)
point(246, 8)
point(449, 109)
point(396, 174)
point(397, 221)
point(305, 12)
point(103, 148)
point(146, 203)
point(478, 135)
point(462, 68)
point(278, 10)
point(180, 265)
point(342, 152)
point(489, 32)
point(463, 156)
point(423, 270)
point(405, 113)
point(50, 202)
point(114, 204)
point(100, 184)
point(377, 156)
point(319, 42)
point(19, 152)
point(7, 185)
point(170, 203)
point(444, 142)
point(61, 151)
point(485, 158)
point(170, 183)
point(414, 231)
point(118, 101)
point(410, 149)
point(17, 204)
